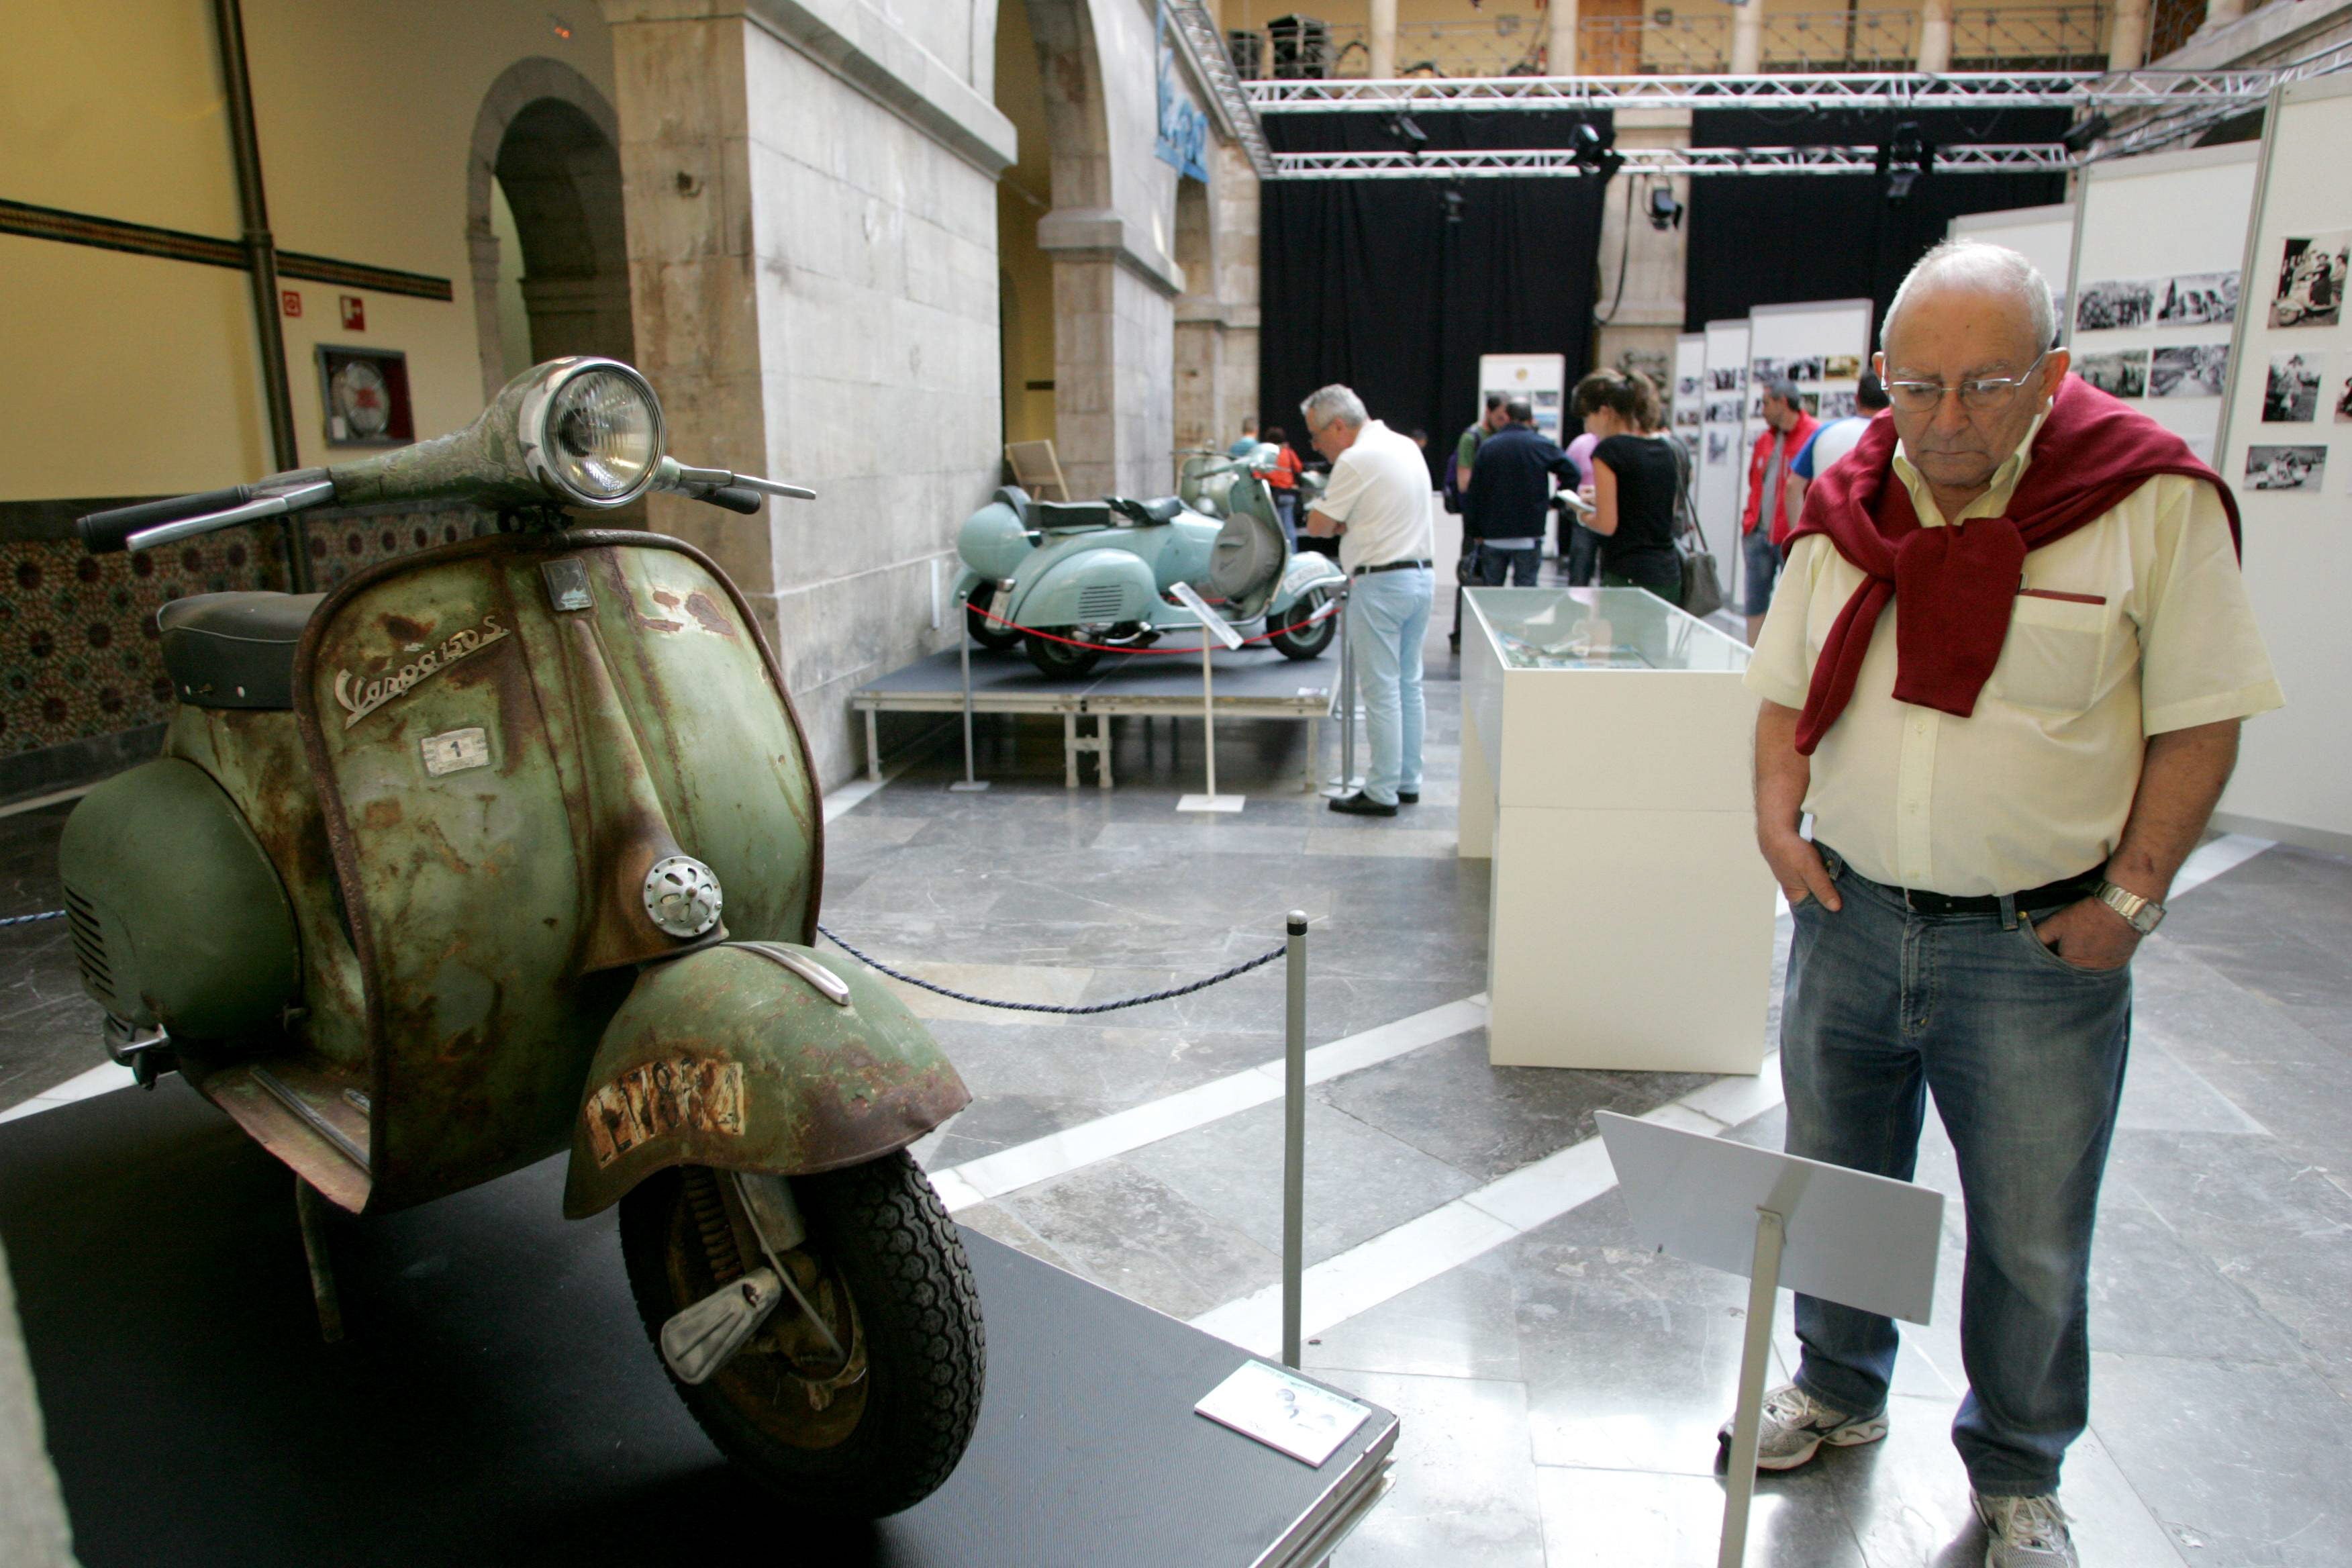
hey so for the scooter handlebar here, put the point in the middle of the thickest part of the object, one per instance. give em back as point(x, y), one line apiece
point(104, 532)
point(736, 497)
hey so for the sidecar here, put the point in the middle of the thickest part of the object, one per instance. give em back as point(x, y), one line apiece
point(1071, 580)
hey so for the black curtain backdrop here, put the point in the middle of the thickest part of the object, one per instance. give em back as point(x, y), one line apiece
point(1365, 282)
point(1781, 239)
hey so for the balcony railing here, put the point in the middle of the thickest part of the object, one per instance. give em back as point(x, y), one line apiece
point(1670, 43)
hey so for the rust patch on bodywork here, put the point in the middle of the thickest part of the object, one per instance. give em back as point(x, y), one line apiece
point(705, 610)
point(380, 815)
point(653, 1099)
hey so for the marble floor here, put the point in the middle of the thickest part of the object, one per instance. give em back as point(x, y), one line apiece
point(1471, 1264)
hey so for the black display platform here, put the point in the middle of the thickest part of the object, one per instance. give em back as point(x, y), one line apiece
point(498, 1403)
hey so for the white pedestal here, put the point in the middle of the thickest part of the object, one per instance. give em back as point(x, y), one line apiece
point(1630, 921)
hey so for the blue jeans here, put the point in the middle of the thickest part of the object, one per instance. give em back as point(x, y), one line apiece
point(1490, 567)
point(2024, 1055)
point(1285, 512)
point(1388, 617)
point(1762, 558)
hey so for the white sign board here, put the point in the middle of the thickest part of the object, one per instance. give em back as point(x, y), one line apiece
point(1541, 379)
point(1723, 462)
point(1283, 1410)
point(1823, 347)
point(2155, 300)
point(2043, 235)
point(1686, 399)
point(1863, 1241)
point(1217, 625)
point(2287, 449)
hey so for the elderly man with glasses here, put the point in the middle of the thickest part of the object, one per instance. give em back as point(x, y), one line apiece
point(2004, 675)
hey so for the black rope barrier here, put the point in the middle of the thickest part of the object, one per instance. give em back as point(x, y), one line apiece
point(1217, 979)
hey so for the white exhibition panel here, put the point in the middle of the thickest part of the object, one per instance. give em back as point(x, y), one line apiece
point(1631, 919)
point(2043, 235)
point(1823, 346)
point(2287, 449)
point(1722, 467)
point(1686, 408)
point(2155, 296)
point(1541, 379)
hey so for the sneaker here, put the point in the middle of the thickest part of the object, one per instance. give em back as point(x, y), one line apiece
point(1795, 1425)
point(2025, 1531)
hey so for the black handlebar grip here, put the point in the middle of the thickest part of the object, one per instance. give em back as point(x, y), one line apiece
point(736, 497)
point(103, 532)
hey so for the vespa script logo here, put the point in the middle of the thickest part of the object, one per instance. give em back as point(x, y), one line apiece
point(359, 699)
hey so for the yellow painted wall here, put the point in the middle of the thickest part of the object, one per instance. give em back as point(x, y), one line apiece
point(134, 375)
point(1023, 197)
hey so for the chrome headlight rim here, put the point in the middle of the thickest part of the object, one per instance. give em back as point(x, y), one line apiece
point(538, 451)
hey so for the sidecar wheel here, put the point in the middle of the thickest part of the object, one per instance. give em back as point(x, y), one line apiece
point(1308, 642)
point(885, 1266)
point(1059, 658)
point(988, 634)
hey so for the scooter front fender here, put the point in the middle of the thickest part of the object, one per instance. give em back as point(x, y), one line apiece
point(728, 1059)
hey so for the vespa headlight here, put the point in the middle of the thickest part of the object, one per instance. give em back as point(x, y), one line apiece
point(597, 434)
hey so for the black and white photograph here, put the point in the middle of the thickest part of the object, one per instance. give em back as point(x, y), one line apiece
point(2285, 468)
point(2189, 370)
point(2311, 280)
point(1727, 378)
point(1810, 402)
point(1686, 416)
point(1842, 367)
point(2116, 304)
point(2198, 300)
point(2124, 374)
point(1718, 445)
point(1837, 404)
point(2343, 401)
point(1686, 386)
point(1806, 369)
point(1760, 370)
point(2291, 395)
point(1722, 411)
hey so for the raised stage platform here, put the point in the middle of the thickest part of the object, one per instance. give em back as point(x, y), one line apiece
point(497, 1401)
point(1249, 683)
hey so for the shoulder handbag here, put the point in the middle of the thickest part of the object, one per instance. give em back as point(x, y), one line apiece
point(1702, 584)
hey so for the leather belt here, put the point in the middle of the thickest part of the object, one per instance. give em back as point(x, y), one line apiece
point(2049, 895)
point(1390, 566)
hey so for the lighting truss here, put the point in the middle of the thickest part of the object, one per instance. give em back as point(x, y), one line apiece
point(2042, 157)
point(2110, 90)
point(2183, 121)
point(1208, 51)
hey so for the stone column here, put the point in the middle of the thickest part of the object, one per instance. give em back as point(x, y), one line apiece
point(1748, 38)
point(1649, 313)
point(1114, 355)
point(2127, 43)
point(1561, 55)
point(1383, 39)
point(2221, 13)
point(1216, 316)
point(1935, 36)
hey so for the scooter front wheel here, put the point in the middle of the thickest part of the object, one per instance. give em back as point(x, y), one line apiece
point(990, 635)
point(1307, 641)
point(1061, 659)
point(882, 1263)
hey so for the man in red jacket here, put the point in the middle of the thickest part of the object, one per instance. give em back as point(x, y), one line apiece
point(1787, 428)
point(2004, 676)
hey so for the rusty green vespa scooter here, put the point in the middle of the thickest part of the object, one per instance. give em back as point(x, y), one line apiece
point(510, 846)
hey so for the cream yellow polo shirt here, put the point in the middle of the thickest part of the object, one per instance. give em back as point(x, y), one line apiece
point(2133, 625)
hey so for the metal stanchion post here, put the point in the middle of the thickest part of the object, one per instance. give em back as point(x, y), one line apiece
point(1347, 705)
point(963, 648)
point(1294, 1135)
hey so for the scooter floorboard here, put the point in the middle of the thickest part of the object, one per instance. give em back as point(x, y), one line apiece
point(495, 1400)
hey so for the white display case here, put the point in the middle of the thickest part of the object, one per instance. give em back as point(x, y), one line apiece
point(1605, 745)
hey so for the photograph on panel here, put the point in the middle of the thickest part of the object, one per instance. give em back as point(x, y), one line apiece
point(1722, 411)
point(2291, 395)
point(2123, 375)
point(2285, 468)
point(1766, 369)
point(2116, 304)
point(1727, 378)
point(1806, 369)
point(2189, 370)
point(1718, 445)
point(1686, 386)
point(2200, 300)
point(2343, 401)
point(2311, 280)
point(1837, 405)
point(1842, 367)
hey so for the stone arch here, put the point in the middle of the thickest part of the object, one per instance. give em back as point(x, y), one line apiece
point(1077, 119)
point(551, 142)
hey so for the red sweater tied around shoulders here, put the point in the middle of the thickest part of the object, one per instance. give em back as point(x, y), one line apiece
point(1954, 587)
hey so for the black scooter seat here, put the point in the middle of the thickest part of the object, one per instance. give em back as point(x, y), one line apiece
point(234, 650)
point(1054, 516)
point(1147, 513)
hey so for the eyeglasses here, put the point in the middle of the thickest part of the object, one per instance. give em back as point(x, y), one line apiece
point(1982, 395)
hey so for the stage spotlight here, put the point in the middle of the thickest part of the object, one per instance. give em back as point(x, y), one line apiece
point(1665, 212)
point(2080, 135)
point(1907, 155)
point(1406, 129)
point(1595, 149)
point(1451, 200)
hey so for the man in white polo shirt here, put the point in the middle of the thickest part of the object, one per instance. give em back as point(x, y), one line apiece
point(1378, 505)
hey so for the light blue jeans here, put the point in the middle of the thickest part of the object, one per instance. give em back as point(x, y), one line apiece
point(1388, 617)
point(2024, 1055)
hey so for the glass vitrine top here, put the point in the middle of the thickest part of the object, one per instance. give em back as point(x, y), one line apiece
point(1600, 629)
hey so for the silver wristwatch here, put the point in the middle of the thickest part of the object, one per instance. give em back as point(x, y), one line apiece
point(2143, 915)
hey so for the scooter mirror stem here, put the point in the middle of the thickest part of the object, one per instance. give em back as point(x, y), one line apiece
point(676, 476)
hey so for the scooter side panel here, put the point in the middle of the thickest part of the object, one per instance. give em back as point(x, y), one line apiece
point(1096, 585)
point(727, 1058)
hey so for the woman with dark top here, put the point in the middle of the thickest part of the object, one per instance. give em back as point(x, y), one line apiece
point(1633, 485)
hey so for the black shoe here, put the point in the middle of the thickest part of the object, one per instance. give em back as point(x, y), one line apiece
point(1361, 805)
point(1454, 641)
point(1408, 797)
